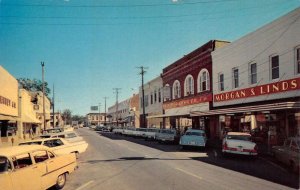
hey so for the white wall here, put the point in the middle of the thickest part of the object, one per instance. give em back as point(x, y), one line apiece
point(279, 37)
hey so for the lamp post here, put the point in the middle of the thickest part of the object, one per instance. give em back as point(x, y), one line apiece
point(43, 80)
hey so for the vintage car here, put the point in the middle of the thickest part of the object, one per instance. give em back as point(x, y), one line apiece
point(289, 153)
point(239, 143)
point(167, 135)
point(149, 134)
point(69, 136)
point(60, 146)
point(193, 137)
point(34, 167)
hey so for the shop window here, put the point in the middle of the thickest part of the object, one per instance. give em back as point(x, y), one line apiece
point(235, 77)
point(274, 67)
point(176, 89)
point(203, 81)
point(252, 73)
point(189, 85)
point(221, 82)
point(151, 98)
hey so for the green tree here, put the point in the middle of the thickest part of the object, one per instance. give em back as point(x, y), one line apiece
point(33, 85)
point(78, 118)
point(67, 116)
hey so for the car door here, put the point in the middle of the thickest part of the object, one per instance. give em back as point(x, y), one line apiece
point(5, 176)
point(23, 173)
point(40, 157)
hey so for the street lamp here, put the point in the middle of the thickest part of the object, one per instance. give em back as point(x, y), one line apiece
point(43, 80)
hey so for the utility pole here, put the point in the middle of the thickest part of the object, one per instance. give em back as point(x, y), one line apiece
point(143, 93)
point(43, 79)
point(99, 114)
point(53, 108)
point(105, 110)
point(116, 91)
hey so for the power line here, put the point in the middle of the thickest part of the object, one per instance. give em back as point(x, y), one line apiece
point(67, 5)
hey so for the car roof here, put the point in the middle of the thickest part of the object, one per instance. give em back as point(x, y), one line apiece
point(43, 139)
point(16, 150)
point(238, 133)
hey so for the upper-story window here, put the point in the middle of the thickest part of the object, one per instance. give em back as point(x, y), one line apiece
point(298, 60)
point(221, 82)
point(189, 85)
point(235, 77)
point(155, 96)
point(159, 95)
point(274, 67)
point(176, 89)
point(167, 92)
point(252, 73)
point(151, 98)
point(203, 81)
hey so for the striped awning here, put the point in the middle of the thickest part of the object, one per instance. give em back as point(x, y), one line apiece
point(245, 109)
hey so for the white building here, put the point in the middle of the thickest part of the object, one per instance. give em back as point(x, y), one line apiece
point(256, 81)
point(153, 103)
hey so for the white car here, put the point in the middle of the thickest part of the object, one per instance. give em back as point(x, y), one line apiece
point(60, 146)
point(70, 136)
point(193, 137)
point(239, 143)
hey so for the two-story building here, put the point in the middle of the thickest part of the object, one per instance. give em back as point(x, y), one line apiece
point(256, 82)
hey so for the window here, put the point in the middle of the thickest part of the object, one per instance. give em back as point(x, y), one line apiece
point(146, 100)
point(235, 77)
point(189, 85)
point(21, 161)
point(176, 90)
point(167, 92)
point(159, 95)
point(221, 82)
point(275, 67)
point(151, 98)
point(51, 155)
point(4, 164)
point(253, 73)
point(298, 60)
point(40, 156)
point(203, 81)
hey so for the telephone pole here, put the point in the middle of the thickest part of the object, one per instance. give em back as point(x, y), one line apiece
point(53, 107)
point(43, 80)
point(105, 110)
point(99, 114)
point(116, 91)
point(143, 93)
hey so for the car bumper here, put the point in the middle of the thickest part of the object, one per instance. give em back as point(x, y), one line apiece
point(240, 152)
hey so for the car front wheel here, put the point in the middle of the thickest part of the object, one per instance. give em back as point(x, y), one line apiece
point(61, 181)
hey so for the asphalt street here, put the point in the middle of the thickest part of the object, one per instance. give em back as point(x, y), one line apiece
point(117, 162)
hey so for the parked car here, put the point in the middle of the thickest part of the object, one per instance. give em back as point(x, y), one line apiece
point(118, 130)
point(167, 135)
point(149, 134)
point(239, 143)
point(69, 136)
point(60, 146)
point(193, 137)
point(54, 130)
point(289, 153)
point(34, 167)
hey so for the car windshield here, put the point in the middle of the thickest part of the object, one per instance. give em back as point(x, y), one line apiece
point(193, 133)
point(239, 137)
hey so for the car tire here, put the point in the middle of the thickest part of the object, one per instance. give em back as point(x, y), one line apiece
point(61, 181)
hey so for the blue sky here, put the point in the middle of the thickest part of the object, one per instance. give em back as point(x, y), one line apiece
point(90, 47)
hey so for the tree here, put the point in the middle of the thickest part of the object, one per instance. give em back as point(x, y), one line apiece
point(33, 85)
point(67, 115)
point(78, 118)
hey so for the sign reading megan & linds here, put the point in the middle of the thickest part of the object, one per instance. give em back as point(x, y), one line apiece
point(277, 87)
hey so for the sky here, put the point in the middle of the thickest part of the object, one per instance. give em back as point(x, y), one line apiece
point(90, 47)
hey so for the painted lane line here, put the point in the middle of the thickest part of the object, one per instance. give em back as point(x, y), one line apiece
point(85, 185)
point(189, 173)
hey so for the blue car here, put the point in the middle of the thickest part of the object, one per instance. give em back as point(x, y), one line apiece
point(193, 137)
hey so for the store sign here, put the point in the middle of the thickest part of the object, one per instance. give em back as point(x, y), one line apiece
point(277, 87)
point(189, 101)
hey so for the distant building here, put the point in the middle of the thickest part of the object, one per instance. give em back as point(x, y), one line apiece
point(96, 119)
point(153, 103)
point(37, 100)
point(58, 120)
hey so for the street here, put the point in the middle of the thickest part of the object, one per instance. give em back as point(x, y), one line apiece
point(117, 162)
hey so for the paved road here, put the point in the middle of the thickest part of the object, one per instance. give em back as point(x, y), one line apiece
point(118, 162)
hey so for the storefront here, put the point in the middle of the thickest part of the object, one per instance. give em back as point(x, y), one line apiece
point(8, 106)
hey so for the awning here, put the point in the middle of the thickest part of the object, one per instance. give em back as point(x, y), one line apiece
point(245, 109)
point(8, 118)
point(29, 119)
